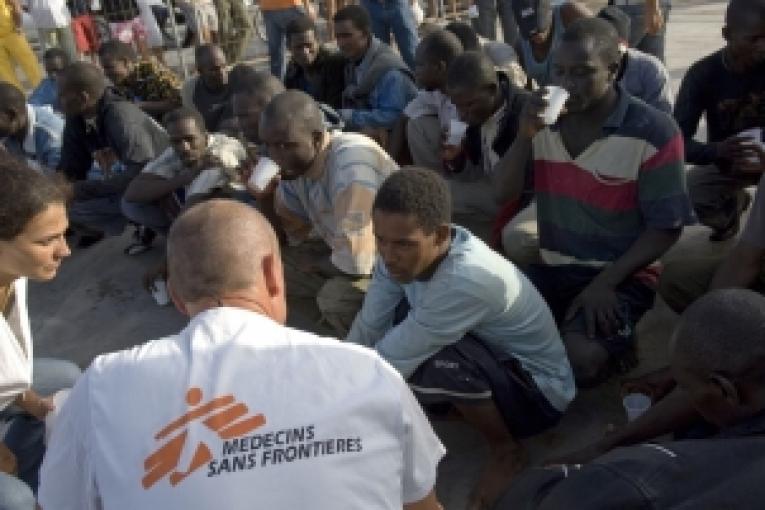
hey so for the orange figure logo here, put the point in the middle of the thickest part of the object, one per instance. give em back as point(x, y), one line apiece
point(224, 416)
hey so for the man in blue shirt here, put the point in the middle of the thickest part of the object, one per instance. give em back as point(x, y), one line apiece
point(378, 84)
point(33, 133)
point(46, 93)
point(462, 324)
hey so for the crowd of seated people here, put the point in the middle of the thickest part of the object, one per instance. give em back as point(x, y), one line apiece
point(473, 257)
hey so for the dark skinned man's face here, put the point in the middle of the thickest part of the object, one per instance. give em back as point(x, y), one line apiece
point(189, 141)
point(475, 106)
point(351, 41)
point(583, 71)
point(293, 148)
point(247, 111)
point(213, 70)
point(745, 34)
point(304, 48)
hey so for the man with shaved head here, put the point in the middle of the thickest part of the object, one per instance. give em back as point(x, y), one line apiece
point(209, 92)
point(327, 183)
point(103, 126)
point(716, 407)
point(237, 406)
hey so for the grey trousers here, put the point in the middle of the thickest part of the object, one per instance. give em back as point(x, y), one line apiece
point(486, 23)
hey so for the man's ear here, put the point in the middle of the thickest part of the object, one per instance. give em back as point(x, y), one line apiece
point(177, 301)
point(729, 391)
point(273, 275)
point(443, 233)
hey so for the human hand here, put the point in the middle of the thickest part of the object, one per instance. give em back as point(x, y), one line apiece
point(266, 193)
point(450, 152)
point(751, 160)
point(733, 148)
point(656, 384)
point(8, 463)
point(654, 21)
point(600, 306)
point(531, 121)
point(106, 158)
point(35, 405)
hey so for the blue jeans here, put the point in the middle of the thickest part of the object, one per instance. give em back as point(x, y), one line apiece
point(486, 23)
point(395, 16)
point(24, 434)
point(647, 43)
point(102, 214)
point(148, 214)
point(276, 24)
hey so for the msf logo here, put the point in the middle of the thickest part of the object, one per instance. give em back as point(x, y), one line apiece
point(222, 415)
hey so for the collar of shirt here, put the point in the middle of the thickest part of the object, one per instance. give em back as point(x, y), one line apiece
point(320, 161)
point(29, 138)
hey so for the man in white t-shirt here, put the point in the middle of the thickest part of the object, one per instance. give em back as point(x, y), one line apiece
point(238, 411)
point(198, 165)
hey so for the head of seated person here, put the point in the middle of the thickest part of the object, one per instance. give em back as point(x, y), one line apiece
point(411, 220)
point(473, 87)
point(251, 91)
point(718, 355)
point(432, 58)
point(353, 31)
point(187, 134)
point(744, 32)
point(535, 20)
point(465, 33)
point(292, 129)
point(302, 41)
point(80, 87)
point(118, 60)
point(587, 63)
point(620, 21)
point(207, 270)
point(54, 61)
point(212, 66)
point(13, 112)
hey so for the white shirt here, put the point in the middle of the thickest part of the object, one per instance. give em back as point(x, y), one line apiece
point(302, 422)
point(49, 13)
point(15, 348)
point(434, 103)
point(488, 135)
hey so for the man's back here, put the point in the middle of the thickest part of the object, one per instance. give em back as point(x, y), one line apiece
point(239, 411)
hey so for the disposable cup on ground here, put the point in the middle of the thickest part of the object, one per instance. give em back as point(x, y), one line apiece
point(50, 419)
point(263, 174)
point(556, 98)
point(159, 292)
point(457, 131)
point(636, 404)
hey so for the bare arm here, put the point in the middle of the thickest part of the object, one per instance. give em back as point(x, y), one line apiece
point(430, 502)
point(148, 187)
point(510, 171)
point(650, 246)
point(740, 268)
point(397, 146)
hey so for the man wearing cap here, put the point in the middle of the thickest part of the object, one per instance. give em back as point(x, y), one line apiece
point(541, 27)
point(642, 75)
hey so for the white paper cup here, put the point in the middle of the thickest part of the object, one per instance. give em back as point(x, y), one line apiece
point(457, 131)
point(263, 173)
point(50, 419)
point(556, 98)
point(473, 11)
point(636, 404)
point(159, 292)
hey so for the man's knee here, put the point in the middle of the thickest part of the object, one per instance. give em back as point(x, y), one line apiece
point(683, 281)
point(520, 241)
point(339, 300)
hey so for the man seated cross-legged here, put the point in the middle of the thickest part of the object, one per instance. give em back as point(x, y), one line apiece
point(462, 324)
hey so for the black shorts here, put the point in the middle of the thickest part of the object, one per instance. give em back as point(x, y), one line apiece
point(560, 285)
point(469, 371)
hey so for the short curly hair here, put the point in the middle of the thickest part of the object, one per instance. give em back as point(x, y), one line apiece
point(419, 192)
point(25, 193)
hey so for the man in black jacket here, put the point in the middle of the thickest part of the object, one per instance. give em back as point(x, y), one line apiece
point(314, 68)
point(104, 128)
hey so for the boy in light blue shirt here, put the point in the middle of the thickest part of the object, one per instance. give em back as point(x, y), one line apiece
point(46, 93)
point(462, 324)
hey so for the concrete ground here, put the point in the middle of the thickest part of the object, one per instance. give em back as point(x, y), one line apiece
point(97, 304)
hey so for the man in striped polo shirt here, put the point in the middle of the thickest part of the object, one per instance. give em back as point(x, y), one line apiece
point(611, 200)
point(325, 190)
